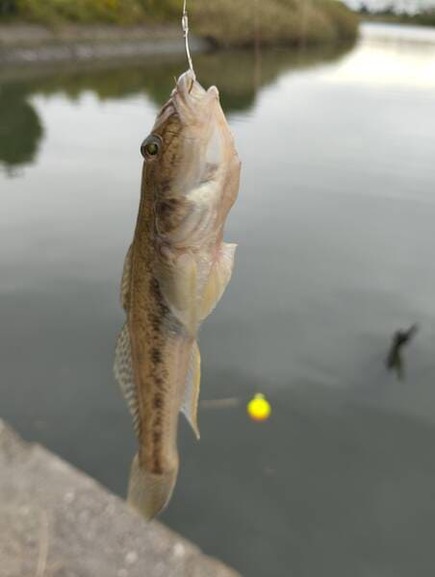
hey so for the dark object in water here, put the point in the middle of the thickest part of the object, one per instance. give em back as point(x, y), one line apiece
point(394, 359)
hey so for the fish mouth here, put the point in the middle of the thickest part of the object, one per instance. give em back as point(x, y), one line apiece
point(191, 101)
point(187, 95)
point(188, 87)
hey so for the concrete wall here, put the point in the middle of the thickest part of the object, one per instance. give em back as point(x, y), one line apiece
point(57, 522)
point(29, 44)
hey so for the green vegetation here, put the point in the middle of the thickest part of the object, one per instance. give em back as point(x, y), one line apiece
point(425, 18)
point(54, 12)
point(295, 22)
point(225, 22)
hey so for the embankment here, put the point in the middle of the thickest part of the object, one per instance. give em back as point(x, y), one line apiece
point(54, 520)
point(224, 23)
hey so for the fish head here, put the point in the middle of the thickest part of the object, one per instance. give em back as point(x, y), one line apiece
point(190, 156)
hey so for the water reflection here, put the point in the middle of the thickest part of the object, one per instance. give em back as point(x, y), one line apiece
point(335, 225)
point(239, 77)
point(20, 129)
point(398, 56)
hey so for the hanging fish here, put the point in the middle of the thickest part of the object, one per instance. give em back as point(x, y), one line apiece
point(175, 272)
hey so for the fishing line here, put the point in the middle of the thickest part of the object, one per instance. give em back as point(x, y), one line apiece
point(185, 26)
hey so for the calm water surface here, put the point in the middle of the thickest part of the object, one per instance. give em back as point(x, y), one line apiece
point(336, 230)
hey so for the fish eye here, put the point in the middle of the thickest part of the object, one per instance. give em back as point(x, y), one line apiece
point(150, 147)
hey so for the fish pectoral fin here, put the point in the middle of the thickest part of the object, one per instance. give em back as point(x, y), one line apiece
point(123, 372)
point(189, 406)
point(218, 279)
point(125, 282)
point(178, 284)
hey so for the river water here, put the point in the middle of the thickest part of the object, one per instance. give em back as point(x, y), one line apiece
point(336, 230)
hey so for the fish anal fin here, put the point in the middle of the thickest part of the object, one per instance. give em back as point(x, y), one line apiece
point(125, 282)
point(123, 372)
point(218, 279)
point(178, 284)
point(189, 405)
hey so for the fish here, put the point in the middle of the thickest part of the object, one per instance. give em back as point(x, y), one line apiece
point(175, 272)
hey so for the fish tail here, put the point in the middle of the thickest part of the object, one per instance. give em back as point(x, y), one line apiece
point(148, 492)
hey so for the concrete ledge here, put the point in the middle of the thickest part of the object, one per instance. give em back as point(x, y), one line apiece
point(27, 44)
point(57, 522)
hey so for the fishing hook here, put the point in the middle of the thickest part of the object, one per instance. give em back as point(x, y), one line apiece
point(185, 26)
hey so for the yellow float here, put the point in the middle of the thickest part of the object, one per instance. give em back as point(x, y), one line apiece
point(259, 408)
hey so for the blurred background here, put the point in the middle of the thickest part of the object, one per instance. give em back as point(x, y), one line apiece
point(333, 112)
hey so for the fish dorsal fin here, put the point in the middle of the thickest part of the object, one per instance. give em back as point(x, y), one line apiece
point(189, 405)
point(125, 282)
point(123, 371)
point(218, 279)
point(178, 284)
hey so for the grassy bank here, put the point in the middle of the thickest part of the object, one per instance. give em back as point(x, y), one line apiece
point(225, 22)
point(426, 18)
point(276, 21)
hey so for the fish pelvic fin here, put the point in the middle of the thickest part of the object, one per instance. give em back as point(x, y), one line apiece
point(189, 406)
point(149, 493)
